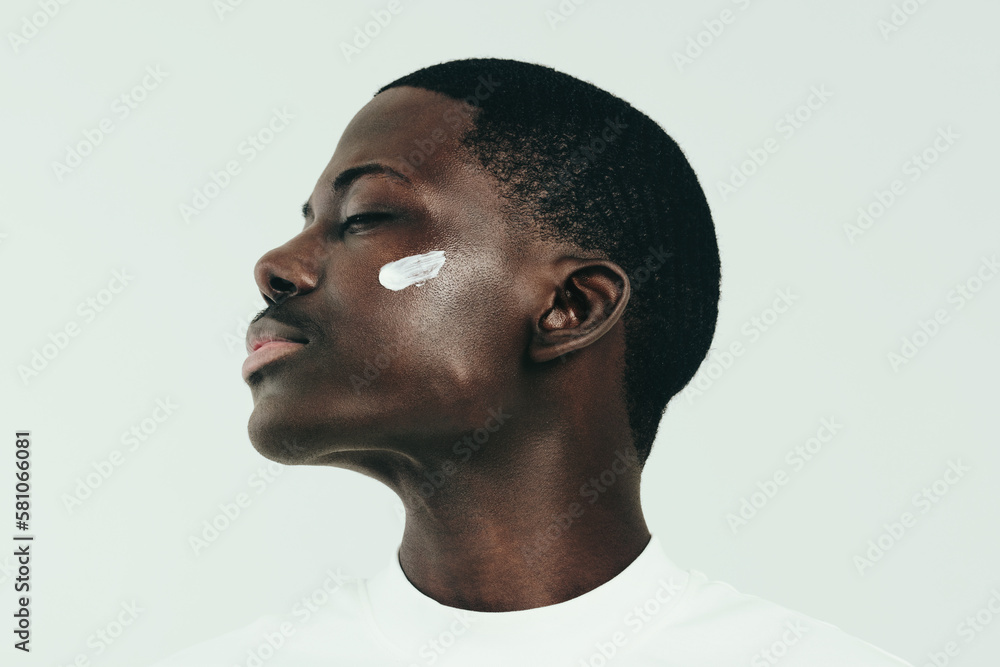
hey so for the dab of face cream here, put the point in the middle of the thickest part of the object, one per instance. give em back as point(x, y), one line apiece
point(412, 270)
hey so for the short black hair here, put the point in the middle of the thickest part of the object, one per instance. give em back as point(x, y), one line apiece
point(587, 167)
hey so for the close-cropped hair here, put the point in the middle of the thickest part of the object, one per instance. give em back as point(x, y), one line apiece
point(584, 166)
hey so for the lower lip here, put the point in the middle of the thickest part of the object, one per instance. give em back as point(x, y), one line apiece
point(267, 353)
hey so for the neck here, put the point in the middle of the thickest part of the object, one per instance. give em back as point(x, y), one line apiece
point(539, 527)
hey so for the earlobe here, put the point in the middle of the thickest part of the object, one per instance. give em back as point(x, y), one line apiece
point(587, 303)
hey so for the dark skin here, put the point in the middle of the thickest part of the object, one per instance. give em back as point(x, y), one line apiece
point(527, 327)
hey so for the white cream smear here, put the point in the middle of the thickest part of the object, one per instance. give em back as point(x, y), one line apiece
point(412, 270)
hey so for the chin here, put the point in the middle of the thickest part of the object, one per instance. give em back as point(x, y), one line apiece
point(281, 441)
point(296, 435)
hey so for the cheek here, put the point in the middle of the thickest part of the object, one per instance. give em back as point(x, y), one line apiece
point(412, 270)
point(444, 331)
point(470, 339)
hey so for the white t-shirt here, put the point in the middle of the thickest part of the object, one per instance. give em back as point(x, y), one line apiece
point(652, 613)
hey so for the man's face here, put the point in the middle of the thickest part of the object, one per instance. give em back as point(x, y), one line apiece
point(392, 370)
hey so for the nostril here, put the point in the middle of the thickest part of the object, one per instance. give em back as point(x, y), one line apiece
point(282, 288)
point(287, 271)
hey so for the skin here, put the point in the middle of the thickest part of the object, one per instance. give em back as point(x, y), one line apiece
point(526, 327)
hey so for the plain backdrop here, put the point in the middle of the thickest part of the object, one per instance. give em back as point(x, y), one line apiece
point(885, 81)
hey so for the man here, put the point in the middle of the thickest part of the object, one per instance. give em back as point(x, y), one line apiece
point(504, 275)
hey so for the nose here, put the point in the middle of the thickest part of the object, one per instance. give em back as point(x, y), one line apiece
point(292, 269)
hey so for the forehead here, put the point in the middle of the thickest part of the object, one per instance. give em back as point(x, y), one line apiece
point(411, 130)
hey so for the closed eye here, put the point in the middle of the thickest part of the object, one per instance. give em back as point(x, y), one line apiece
point(361, 219)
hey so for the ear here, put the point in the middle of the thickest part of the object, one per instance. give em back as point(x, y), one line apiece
point(587, 299)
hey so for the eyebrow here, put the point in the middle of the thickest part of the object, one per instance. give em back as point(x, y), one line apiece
point(348, 176)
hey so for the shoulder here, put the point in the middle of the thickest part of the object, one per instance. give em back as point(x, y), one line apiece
point(736, 628)
point(328, 615)
point(221, 650)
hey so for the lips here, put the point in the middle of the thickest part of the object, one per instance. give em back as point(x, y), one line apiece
point(269, 340)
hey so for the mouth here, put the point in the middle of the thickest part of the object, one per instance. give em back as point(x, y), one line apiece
point(268, 341)
point(268, 351)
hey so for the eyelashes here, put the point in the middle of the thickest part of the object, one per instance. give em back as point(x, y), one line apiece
point(360, 219)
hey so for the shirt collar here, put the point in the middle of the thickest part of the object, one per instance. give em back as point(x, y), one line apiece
point(408, 618)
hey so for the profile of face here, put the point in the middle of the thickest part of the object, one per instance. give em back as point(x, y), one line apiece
point(383, 369)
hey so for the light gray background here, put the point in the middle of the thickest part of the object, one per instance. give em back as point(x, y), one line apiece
point(165, 335)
